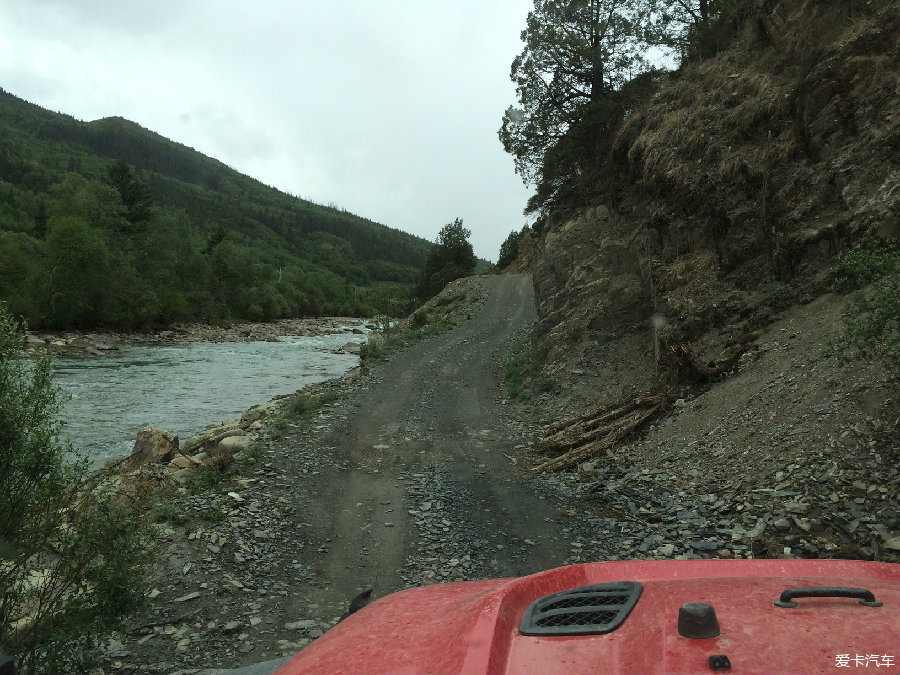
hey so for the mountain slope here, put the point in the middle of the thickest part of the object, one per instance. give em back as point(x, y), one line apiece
point(738, 183)
point(735, 188)
point(216, 245)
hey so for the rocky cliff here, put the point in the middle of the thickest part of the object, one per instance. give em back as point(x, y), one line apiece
point(741, 180)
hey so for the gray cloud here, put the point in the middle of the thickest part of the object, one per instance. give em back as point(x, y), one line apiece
point(389, 109)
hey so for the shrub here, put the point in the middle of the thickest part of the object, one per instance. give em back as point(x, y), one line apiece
point(509, 249)
point(304, 405)
point(517, 364)
point(872, 317)
point(72, 557)
point(206, 480)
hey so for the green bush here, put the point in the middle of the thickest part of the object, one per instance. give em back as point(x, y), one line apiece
point(72, 557)
point(509, 249)
point(517, 364)
point(206, 480)
point(304, 405)
point(872, 317)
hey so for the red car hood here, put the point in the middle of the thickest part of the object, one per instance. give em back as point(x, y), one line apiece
point(473, 627)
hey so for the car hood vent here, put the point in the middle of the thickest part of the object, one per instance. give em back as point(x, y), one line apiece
point(587, 610)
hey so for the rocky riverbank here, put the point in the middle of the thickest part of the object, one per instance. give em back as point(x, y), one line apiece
point(93, 343)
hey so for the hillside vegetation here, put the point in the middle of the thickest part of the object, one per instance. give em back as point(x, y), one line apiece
point(725, 193)
point(105, 223)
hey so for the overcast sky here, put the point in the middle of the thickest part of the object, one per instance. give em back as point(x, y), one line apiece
point(388, 108)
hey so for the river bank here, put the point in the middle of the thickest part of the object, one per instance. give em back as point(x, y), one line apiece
point(94, 343)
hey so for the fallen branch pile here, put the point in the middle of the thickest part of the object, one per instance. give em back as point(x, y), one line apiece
point(581, 438)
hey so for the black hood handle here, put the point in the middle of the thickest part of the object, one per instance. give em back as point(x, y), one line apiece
point(866, 597)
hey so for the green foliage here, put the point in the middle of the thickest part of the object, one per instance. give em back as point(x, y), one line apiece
point(161, 233)
point(576, 54)
point(72, 557)
point(509, 249)
point(135, 195)
point(704, 33)
point(213, 514)
point(381, 348)
point(450, 258)
point(583, 70)
point(207, 480)
point(518, 363)
point(872, 318)
point(164, 510)
point(304, 405)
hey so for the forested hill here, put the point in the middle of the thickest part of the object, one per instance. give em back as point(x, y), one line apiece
point(106, 223)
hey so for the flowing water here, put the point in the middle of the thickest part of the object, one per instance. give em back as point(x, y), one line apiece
point(185, 388)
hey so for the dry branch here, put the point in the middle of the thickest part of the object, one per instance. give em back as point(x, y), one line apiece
point(588, 435)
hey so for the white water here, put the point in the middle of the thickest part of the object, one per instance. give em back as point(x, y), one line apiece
point(186, 388)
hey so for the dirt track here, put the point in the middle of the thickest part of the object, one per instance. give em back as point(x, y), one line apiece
point(414, 477)
point(410, 479)
point(436, 407)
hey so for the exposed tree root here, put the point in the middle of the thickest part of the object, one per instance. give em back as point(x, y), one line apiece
point(692, 369)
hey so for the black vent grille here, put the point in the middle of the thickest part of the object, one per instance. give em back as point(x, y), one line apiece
point(588, 610)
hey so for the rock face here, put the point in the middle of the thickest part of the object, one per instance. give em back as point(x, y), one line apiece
point(588, 279)
point(153, 446)
point(734, 188)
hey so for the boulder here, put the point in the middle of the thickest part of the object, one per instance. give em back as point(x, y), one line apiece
point(153, 446)
point(182, 462)
point(183, 476)
point(222, 454)
point(209, 438)
point(352, 347)
point(258, 412)
point(234, 444)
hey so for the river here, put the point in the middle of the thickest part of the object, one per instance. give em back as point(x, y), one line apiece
point(184, 388)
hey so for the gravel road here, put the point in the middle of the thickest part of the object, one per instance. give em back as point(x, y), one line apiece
point(413, 478)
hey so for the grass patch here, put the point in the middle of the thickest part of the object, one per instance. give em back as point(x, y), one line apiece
point(450, 299)
point(206, 480)
point(213, 514)
point(164, 510)
point(304, 405)
point(518, 363)
point(379, 350)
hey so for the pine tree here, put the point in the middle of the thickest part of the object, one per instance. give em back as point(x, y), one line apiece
point(578, 54)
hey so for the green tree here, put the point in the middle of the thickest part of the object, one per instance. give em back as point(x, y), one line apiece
point(509, 249)
point(699, 28)
point(450, 258)
point(78, 277)
point(135, 195)
point(578, 54)
point(72, 558)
